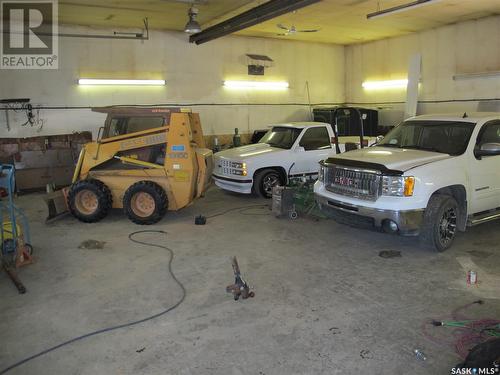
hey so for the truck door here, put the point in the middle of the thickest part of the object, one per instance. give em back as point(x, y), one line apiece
point(485, 172)
point(313, 146)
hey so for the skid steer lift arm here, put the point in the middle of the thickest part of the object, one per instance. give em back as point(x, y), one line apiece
point(141, 163)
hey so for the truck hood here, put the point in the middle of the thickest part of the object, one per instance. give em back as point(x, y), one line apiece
point(399, 159)
point(250, 151)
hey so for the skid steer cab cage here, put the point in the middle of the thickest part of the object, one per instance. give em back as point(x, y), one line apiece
point(159, 154)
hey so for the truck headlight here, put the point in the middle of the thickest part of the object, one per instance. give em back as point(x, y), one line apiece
point(398, 186)
point(239, 168)
point(238, 165)
point(238, 172)
point(321, 175)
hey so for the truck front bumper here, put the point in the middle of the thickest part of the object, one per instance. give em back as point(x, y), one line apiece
point(243, 186)
point(408, 222)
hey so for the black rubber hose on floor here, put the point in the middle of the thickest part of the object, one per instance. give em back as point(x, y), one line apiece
point(239, 209)
point(125, 325)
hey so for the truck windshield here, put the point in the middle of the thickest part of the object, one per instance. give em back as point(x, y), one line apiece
point(446, 137)
point(281, 137)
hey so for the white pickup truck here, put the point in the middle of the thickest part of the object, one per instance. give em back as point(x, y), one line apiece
point(431, 176)
point(287, 150)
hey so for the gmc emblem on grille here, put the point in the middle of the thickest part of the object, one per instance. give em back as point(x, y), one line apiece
point(345, 181)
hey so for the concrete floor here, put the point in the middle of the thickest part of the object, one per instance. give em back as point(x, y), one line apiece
point(326, 303)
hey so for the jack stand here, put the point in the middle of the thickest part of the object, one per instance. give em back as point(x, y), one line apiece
point(240, 287)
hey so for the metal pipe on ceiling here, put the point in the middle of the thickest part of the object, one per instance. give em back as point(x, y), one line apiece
point(254, 16)
point(116, 35)
point(96, 36)
point(399, 8)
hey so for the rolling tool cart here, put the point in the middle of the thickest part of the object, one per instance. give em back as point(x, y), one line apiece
point(15, 240)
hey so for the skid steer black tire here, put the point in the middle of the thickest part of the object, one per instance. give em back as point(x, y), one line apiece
point(440, 223)
point(154, 203)
point(94, 189)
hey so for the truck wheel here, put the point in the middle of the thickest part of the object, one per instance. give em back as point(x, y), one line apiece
point(440, 222)
point(264, 182)
point(89, 200)
point(145, 203)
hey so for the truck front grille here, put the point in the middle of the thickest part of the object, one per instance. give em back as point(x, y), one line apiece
point(224, 163)
point(222, 166)
point(356, 183)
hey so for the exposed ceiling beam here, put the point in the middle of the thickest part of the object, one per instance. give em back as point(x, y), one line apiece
point(254, 16)
point(231, 13)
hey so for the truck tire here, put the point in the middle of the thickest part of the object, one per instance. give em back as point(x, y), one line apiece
point(145, 203)
point(440, 222)
point(265, 180)
point(89, 200)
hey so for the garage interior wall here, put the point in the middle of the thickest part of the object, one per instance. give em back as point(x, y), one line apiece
point(467, 47)
point(194, 74)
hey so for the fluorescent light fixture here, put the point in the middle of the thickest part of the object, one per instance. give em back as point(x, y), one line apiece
point(460, 76)
point(380, 85)
point(400, 8)
point(263, 85)
point(121, 82)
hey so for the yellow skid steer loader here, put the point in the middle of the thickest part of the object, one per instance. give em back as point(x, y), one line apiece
point(148, 161)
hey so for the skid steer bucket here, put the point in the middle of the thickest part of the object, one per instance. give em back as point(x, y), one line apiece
point(57, 204)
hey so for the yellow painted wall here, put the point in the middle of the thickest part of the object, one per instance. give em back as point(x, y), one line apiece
point(194, 74)
point(472, 46)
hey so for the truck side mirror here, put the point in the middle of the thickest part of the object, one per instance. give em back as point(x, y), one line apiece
point(487, 149)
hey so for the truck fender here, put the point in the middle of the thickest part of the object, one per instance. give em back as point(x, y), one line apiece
point(460, 194)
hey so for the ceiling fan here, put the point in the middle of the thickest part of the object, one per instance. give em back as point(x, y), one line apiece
point(293, 30)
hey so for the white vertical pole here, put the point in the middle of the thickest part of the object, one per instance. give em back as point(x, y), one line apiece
point(412, 88)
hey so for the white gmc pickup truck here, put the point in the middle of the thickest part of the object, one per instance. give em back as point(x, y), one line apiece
point(292, 149)
point(430, 176)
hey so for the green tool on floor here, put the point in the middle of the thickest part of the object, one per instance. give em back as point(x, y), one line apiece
point(297, 198)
